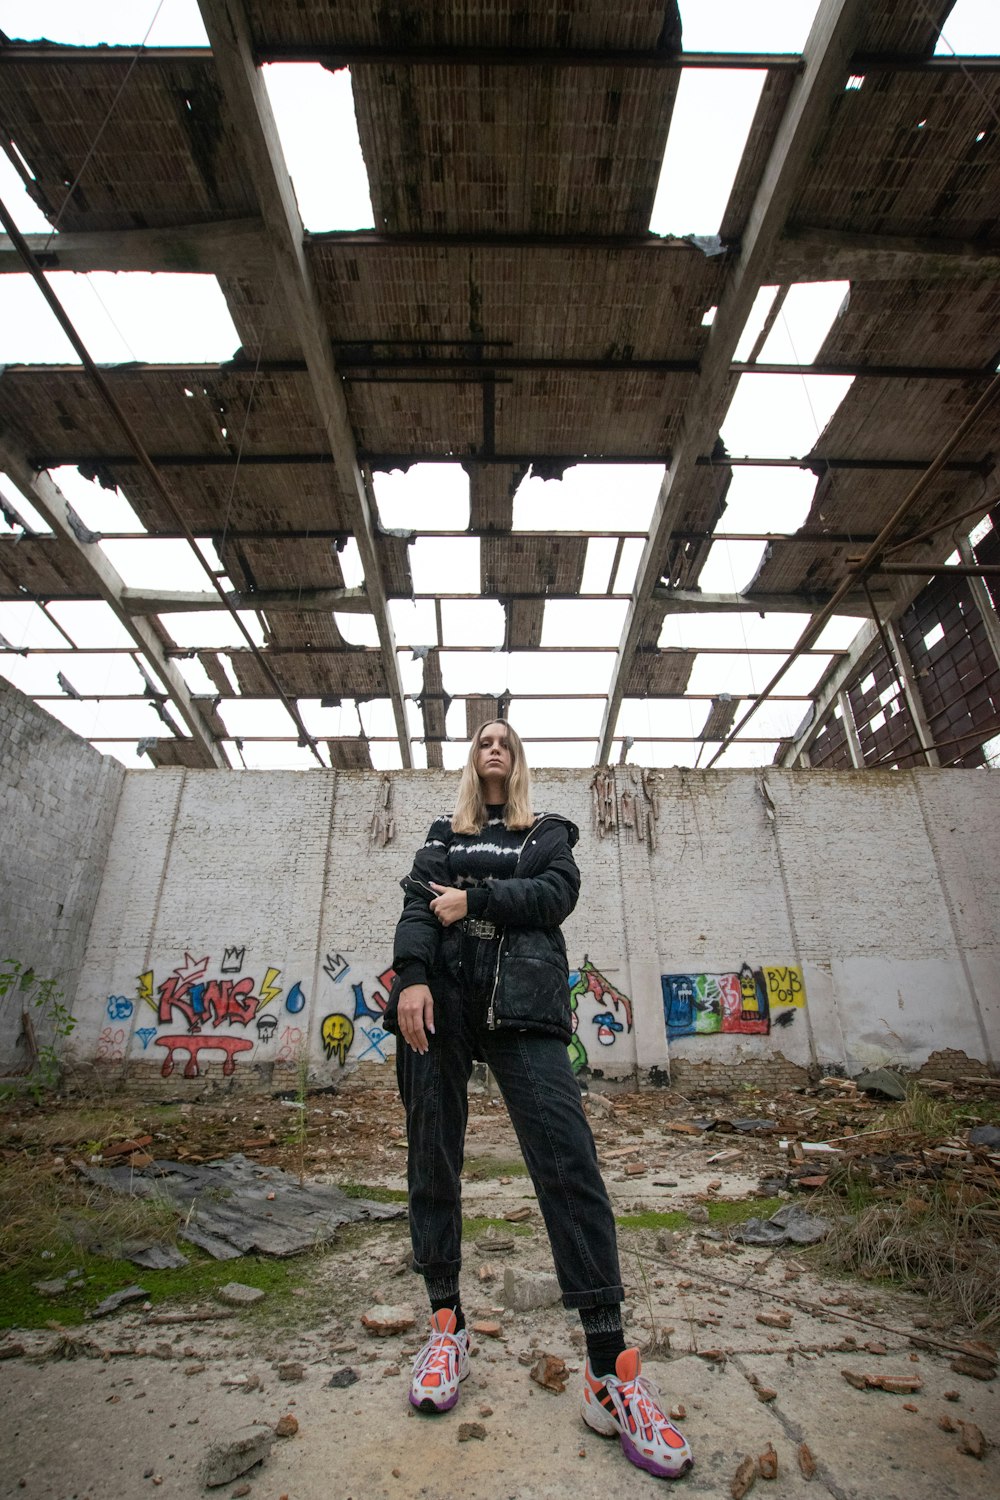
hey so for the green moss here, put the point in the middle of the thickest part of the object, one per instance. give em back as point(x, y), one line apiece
point(22, 1307)
point(376, 1194)
point(472, 1227)
point(718, 1213)
point(478, 1168)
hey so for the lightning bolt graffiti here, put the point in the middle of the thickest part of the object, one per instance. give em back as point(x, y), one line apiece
point(269, 990)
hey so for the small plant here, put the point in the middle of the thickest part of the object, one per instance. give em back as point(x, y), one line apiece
point(41, 995)
point(299, 1133)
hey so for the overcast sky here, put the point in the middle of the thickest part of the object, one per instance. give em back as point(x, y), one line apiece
point(183, 319)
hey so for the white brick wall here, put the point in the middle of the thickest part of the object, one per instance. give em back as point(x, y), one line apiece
point(881, 889)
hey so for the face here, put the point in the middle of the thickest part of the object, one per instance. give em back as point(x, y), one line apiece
point(493, 759)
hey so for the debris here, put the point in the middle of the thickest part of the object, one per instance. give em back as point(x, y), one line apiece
point(118, 1299)
point(126, 1148)
point(807, 1464)
point(291, 1370)
point(157, 1257)
point(488, 1328)
point(518, 1215)
point(896, 1385)
point(972, 1440)
point(792, 1223)
point(946, 1424)
point(238, 1294)
point(550, 1373)
point(767, 1463)
point(204, 1315)
point(882, 1083)
point(950, 1395)
point(800, 1149)
point(743, 1480)
point(598, 1104)
point(985, 1135)
point(52, 1288)
point(467, 1431)
point(677, 1413)
point(978, 1369)
point(724, 1158)
point(227, 1461)
point(494, 1243)
point(485, 1410)
point(340, 1379)
point(383, 1322)
point(780, 1319)
point(486, 1272)
point(286, 1426)
point(525, 1290)
point(765, 1393)
point(633, 1169)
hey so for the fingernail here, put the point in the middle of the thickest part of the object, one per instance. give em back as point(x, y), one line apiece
point(430, 1028)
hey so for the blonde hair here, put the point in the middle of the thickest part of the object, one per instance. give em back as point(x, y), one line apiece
point(470, 808)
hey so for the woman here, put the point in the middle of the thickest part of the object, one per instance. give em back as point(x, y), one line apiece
point(481, 972)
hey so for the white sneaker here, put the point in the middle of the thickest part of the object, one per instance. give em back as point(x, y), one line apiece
point(626, 1405)
point(440, 1365)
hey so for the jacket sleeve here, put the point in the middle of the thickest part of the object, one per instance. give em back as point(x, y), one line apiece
point(418, 931)
point(542, 900)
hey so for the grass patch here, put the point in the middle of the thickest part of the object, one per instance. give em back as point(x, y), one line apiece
point(675, 1219)
point(718, 1214)
point(479, 1168)
point(23, 1307)
point(376, 1194)
point(472, 1227)
point(41, 1211)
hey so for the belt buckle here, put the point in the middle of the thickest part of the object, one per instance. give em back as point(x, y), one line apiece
point(478, 928)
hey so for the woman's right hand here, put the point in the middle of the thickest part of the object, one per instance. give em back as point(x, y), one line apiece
point(415, 1016)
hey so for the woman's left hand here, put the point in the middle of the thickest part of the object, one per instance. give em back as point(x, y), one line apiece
point(449, 905)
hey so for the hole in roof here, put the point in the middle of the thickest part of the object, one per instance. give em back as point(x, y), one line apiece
point(485, 673)
point(740, 753)
point(781, 416)
point(445, 565)
point(762, 500)
point(427, 497)
point(854, 83)
point(335, 721)
point(571, 622)
point(732, 632)
point(20, 510)
point(90, 622)
point(225, 666)
point(653, 718)
point(175, 24)
point(314, 112)
point(588, 497)
point(106, 720)
point(195, 676)
point(212, 630)
point(935, 634)
point(262, 755)
point(535, 718)
point(357, 629)
point(99, 508)
point(711, 120)
point(545, 753)
point(981, 531)
point(479, 622)
point(972, 27)
point(802, 327)
point(26, 625)
point(601, 552)
point(23, 210)
point(454, 756)
point(628, 565)
point(414, 622)
point(351, 567)
point(735, 26)
point(837, 634)
point(377, 718)
point(876, 721)
point(561, 672)
point(157, 563)
point(754, 326)
point(708, 317)
point(127, 755)
point(159, 318)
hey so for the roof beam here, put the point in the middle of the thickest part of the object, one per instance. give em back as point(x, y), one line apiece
point(227, 247)
point(108, 585)
point(275, 601)
point(246, 97)
point(832, 40)
point(805, 254)
point(691, 602)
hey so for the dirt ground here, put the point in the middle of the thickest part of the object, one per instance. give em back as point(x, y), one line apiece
point(758, 1346)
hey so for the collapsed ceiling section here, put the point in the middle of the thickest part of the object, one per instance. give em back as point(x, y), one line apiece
point(551, 387)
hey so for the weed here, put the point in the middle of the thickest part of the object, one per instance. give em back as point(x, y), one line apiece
point(42, 996)
point(41, 1212)
point(725, 1212)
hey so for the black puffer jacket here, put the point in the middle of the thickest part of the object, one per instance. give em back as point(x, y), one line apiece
point(532, 985)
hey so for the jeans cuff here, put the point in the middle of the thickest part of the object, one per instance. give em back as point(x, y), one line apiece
point(436, 1270)
point(601, 1296)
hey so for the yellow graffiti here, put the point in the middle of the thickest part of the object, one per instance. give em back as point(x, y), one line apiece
point(785, 986)
point(337, 1034)
point(749, 1004)
point(146, 988)
point(269, 989)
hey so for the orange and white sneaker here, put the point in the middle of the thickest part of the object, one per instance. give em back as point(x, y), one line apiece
point(627, 1405)
point(440, 1365)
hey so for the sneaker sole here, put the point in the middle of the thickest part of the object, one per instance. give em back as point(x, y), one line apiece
point(431, 1407)
point(650, 1465)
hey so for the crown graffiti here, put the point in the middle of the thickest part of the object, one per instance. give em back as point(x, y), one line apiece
point(232, 960)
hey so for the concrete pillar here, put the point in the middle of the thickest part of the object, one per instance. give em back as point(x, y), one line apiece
point(641, 939)
point(851, 731)
point(911, 692)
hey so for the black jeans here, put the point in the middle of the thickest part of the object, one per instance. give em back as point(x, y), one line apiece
point(543, 1100)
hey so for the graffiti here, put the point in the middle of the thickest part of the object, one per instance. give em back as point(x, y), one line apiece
point(747, 1002)
point(291, 1040)
point(194, 1046)
point(266, 1027)
point(120, 1007)
point(588, 981)
point(337, 1034)
point(363, 1009)
point(111, 1044)
point(146, 1035)
point(232, 960)
point(219, 1001)
point(376, 1038)
point(295, 1001)
point(336, 966)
